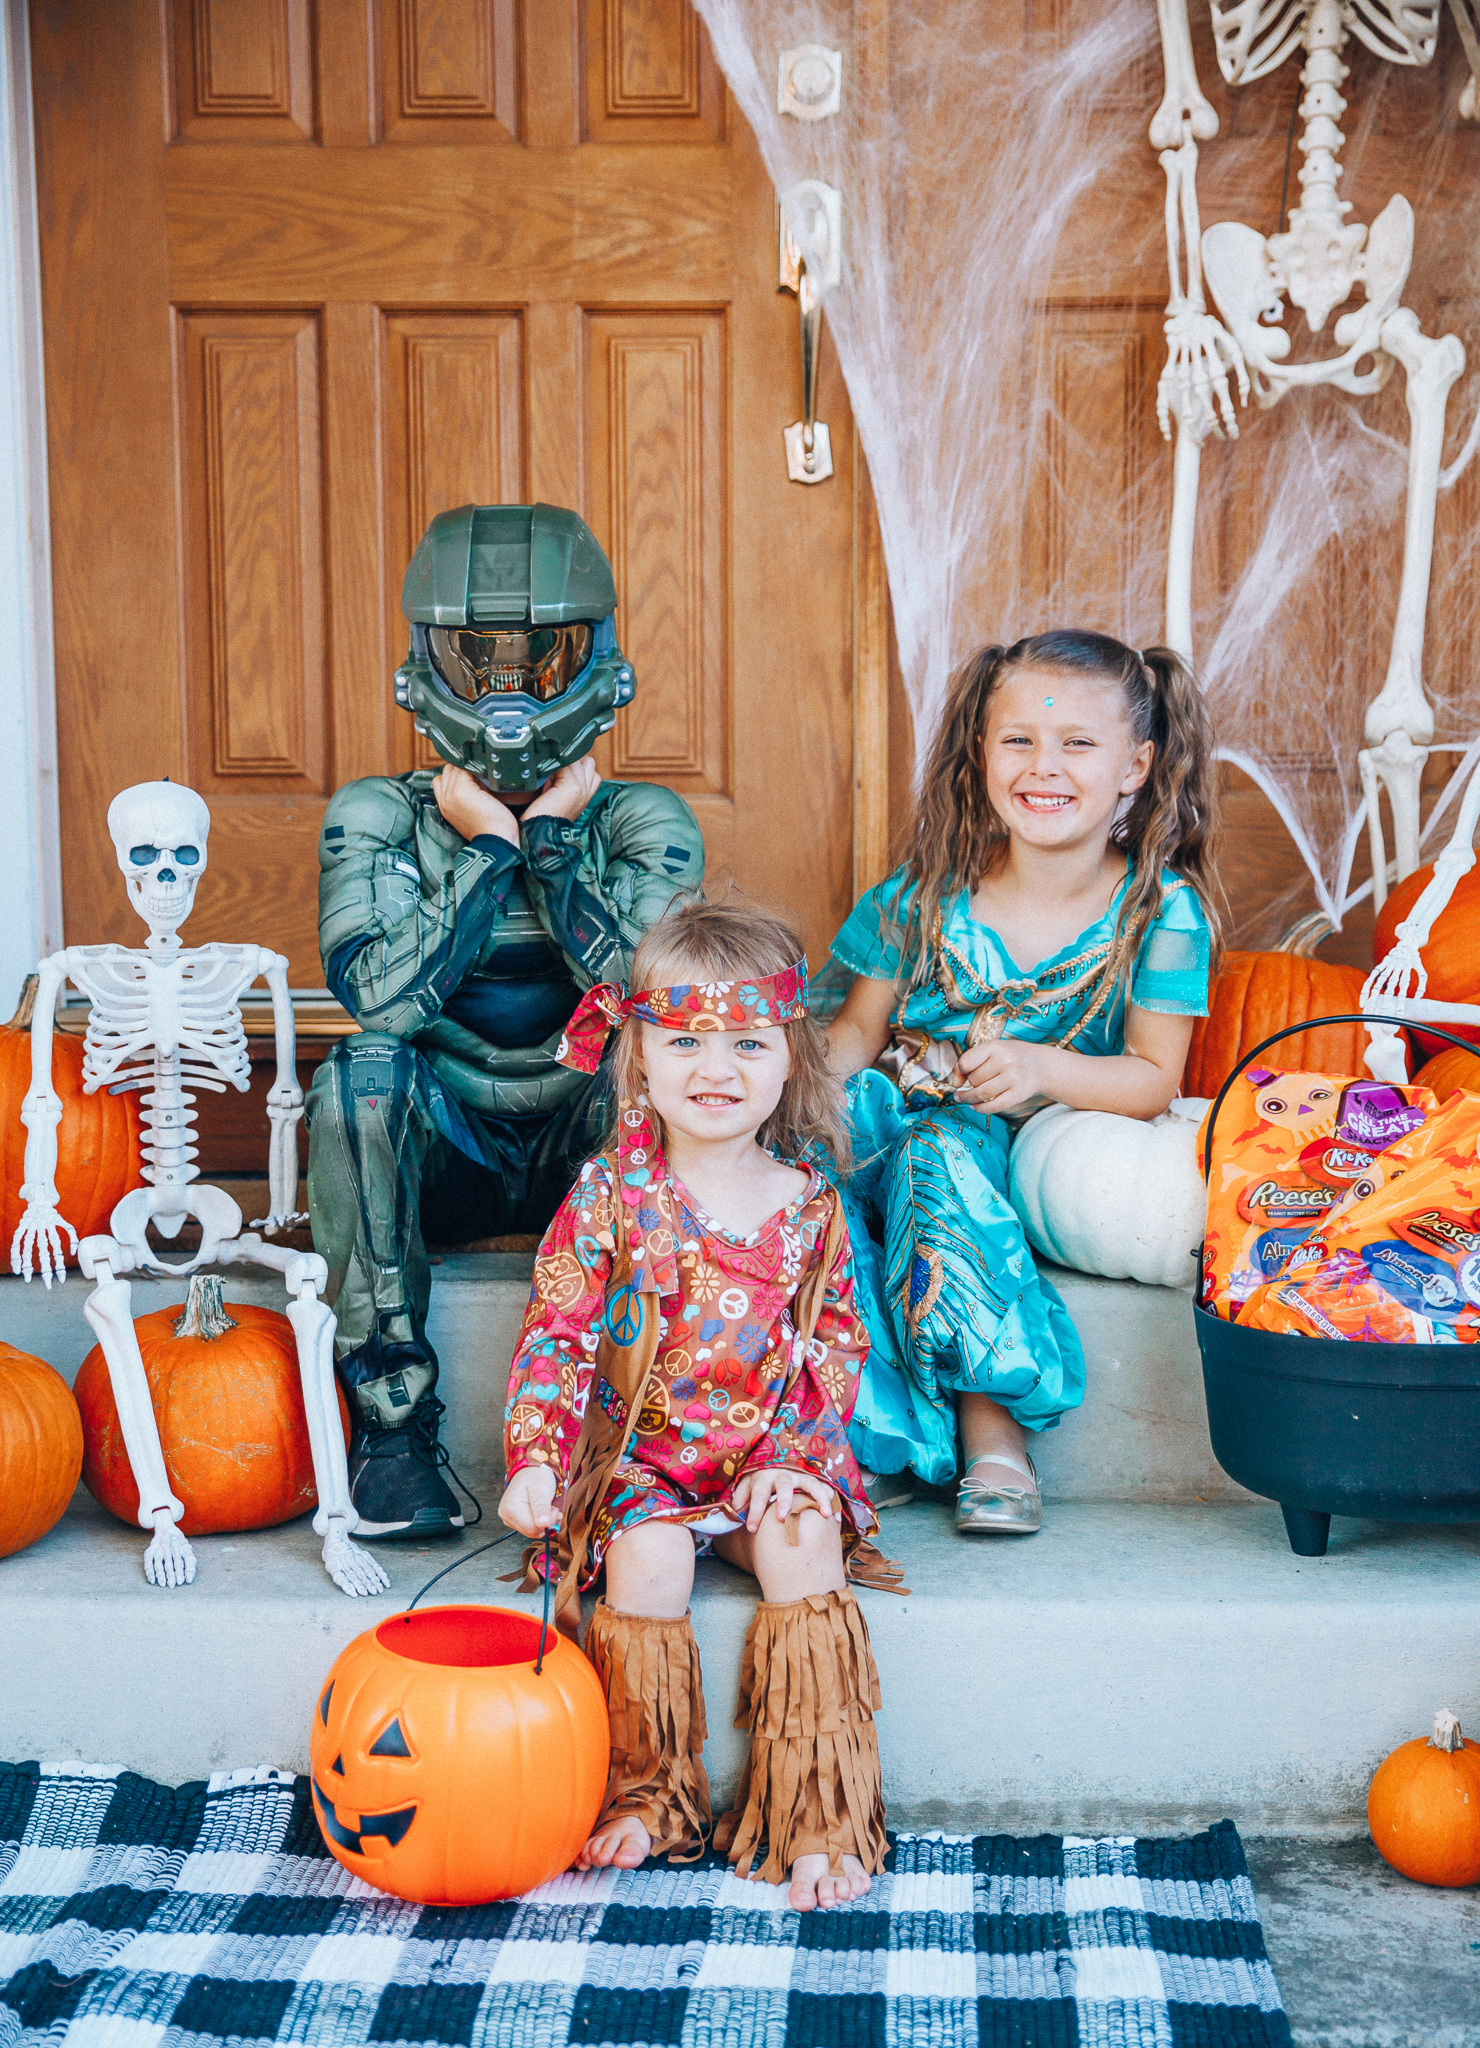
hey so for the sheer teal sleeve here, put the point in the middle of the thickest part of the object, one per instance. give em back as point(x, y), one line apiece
point(870, 937)
point(1171, 970)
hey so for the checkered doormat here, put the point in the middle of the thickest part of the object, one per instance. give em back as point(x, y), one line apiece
point(133, 1915)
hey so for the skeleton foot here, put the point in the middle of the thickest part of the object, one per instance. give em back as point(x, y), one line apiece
point(169, 1560)
point(353, 1569)
point(273, 1224)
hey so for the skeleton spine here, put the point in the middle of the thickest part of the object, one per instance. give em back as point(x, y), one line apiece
point(168, 1114)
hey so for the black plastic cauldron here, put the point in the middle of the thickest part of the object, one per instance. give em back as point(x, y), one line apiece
point(1327, 1427)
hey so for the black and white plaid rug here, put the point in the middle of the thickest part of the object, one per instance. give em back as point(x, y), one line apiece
point(136, 1916)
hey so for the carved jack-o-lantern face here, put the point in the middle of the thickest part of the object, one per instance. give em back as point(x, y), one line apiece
point(444, 1769)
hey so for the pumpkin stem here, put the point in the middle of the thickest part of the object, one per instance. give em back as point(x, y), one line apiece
point(25, 1009)
point(204, 1313)
point(1446, 1733)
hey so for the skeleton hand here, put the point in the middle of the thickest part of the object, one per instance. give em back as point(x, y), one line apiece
point(352, 1568)
point(169, 1560)
point(1194, 381)
point(38, 1238)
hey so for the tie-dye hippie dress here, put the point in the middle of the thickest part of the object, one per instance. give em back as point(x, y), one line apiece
point(944, 1277)
point(722, 1401)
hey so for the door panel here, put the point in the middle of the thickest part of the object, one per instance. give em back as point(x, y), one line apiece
point(313, 272)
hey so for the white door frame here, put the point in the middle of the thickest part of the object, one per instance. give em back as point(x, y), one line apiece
point(30, 844)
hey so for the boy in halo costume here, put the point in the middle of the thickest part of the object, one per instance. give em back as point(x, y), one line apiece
point(461, 916)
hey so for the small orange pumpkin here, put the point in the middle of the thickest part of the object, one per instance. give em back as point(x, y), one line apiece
point(40, 1448)
point(1450, 1070)
point(228, 1401)
point(99, 1140)
point(446, 1770)
point(1423, 1806)
point(1254, 994)
point(1451, 958)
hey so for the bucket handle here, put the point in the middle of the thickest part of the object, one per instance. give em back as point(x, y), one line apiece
point(1315, 1024)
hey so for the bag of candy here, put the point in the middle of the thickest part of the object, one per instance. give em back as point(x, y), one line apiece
point(1401, 1263)
point(1289, 1150)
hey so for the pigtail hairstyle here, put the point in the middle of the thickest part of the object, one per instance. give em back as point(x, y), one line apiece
point(1171, 818)
point(733, 940)
point(1169, 822)
point(957, 836)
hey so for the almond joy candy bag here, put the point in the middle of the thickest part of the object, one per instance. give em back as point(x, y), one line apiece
point(1288, 1150)
point(1400, 1265)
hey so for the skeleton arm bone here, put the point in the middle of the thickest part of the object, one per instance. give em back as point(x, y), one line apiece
point(39, 1233)
point(284, 1104)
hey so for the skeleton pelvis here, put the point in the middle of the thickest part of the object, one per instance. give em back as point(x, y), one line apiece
point(167, 1208)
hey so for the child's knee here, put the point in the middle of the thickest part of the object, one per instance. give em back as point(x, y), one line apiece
point(650, 1569)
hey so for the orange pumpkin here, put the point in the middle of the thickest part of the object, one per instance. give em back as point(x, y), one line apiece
point(445, 1769)
point(1423, 1806)
point(40, 1448)
point(1452, 1069)
point(1254, 994)
point(228, 1400)
point(1451, 957)
point(99, 1140)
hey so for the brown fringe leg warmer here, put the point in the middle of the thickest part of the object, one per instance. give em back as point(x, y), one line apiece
point(655, 1698)
point(808, 1690)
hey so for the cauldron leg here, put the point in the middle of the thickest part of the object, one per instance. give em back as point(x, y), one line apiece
point(1307, 1531)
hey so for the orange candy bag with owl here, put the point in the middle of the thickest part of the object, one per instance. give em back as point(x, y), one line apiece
point(1290, 1151)
point(1402, 1264)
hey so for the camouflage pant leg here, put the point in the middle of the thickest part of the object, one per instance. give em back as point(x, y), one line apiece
point(381, 1167)
point(371, 1133)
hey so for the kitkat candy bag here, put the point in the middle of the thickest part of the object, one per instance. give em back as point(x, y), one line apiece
point(1289, 1151)
point(1401, 1263)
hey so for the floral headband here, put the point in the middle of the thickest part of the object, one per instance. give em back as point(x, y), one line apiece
point(697, 1006)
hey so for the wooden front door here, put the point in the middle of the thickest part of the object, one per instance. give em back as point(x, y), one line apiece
point(314, 270)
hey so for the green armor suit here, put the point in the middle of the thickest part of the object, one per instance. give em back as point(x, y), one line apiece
point(461, 961)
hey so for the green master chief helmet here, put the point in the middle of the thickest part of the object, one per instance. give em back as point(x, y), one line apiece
point(514, 665)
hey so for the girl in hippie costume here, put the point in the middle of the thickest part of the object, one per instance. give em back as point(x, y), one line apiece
point(1048, 939)
point(688, 1363)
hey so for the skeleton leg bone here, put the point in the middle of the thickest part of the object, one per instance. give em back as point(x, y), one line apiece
point(1400, 721)
point(169, 1560)
point(349, 1565)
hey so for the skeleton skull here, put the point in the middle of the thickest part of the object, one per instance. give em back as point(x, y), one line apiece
point(159, 832)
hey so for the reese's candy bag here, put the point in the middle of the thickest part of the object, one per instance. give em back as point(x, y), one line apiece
point(1288, 1150)
point(1400, 1264)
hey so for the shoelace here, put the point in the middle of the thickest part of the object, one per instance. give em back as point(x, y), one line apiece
point(420, 1434)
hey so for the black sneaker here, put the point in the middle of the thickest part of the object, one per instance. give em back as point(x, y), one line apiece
point(396, 1483)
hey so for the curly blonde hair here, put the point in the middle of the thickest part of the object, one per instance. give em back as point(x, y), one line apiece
point(738, 941)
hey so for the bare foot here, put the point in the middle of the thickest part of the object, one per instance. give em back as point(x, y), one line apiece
point(813, 1884)
point(624, 1842)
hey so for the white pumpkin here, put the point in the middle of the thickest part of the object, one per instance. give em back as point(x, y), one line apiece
point(1112, 1195)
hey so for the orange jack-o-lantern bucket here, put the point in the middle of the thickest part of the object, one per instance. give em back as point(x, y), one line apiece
point(446, 1769)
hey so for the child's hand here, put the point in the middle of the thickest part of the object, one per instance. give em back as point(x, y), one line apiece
point(1005, 1074)
point(757, 1490)
point(528, 1504)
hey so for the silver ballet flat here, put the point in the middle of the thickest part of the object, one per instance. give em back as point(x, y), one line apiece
point(1002, 1509)
point(888, 1489)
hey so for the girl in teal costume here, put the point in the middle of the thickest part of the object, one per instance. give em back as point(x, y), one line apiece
point(1048, 939)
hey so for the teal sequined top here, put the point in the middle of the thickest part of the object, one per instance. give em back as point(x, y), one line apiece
point(1059, 1002)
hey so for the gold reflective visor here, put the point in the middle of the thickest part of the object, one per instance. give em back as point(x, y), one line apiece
point(537, 661)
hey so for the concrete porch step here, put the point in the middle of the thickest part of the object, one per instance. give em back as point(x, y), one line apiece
point(1141, 1434)
point(1137, 1666)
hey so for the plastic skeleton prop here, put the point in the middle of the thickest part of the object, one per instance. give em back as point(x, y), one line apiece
point(1316, 262)
point(167, 1020)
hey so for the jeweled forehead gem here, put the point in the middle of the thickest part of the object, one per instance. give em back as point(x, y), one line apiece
point(1048, 700)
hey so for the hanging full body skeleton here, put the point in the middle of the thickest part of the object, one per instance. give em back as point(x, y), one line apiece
point(166, 1019)
point(1316, 262)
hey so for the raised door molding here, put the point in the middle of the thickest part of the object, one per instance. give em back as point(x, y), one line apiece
point(658, 502)
point(453, 435)
point(449, 70)
point(241, 70)
point(255, 683)
point(650, 74)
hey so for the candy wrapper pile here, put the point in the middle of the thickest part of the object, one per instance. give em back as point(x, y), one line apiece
point(1342, 1207)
